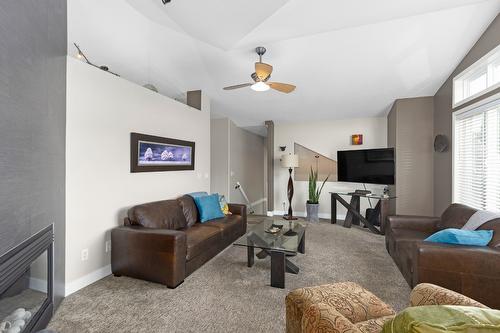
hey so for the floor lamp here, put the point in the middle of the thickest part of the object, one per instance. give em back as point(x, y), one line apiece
point(290, 161)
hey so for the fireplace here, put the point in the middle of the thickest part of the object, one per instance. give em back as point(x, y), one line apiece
point(26, 284)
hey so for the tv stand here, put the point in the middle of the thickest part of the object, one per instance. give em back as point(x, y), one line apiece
point(382, 210)
point(361, 192)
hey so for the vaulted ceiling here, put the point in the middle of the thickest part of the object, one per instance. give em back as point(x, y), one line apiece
point(349, 58)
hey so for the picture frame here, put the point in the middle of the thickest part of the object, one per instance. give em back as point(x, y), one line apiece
point(357, 139)
point(149, 153)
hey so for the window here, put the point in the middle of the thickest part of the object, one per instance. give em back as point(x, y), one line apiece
point(476, 173)
point(478, 79)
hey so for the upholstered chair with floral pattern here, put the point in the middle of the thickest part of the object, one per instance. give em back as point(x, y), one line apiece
point(349, 308)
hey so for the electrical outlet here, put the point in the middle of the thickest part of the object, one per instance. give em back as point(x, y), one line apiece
point(85, 254)
point(108, 246)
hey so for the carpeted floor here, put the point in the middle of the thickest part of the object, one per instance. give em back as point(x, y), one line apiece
point(226, 296)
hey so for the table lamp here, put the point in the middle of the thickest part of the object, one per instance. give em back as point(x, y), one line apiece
point(290, 161)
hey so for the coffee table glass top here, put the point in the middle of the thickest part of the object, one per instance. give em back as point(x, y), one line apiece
point(283, 240)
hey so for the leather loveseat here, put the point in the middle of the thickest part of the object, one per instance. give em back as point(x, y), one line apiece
point(470, 270)
point(164, 242)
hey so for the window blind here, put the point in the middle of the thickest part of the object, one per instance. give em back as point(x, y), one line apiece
point(477, 157)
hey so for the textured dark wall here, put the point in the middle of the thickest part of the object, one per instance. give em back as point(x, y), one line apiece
point(443, 116)
point(33, 36)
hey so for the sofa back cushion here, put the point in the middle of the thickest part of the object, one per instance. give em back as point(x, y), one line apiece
point(189, 209)
point(166, 214)
point(455, 216)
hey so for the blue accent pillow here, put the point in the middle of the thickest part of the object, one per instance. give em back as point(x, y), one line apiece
point(197, 194)
point(208, 207)
point(462, 237)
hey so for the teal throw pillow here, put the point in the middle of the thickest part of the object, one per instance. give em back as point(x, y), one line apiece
point(208, 207)
point(197, 194)
point(462, 237)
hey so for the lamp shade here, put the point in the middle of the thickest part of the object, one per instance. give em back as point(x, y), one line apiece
point(290, 161)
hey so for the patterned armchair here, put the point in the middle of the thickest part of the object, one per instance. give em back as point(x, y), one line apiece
point(349, 308)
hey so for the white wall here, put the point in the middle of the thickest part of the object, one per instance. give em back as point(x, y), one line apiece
point(326, 138)
point(102, 111)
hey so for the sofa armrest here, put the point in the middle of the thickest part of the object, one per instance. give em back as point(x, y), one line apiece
point(430, 294)
point(157, 255)
point(417, 223)
point(322, 317)
point(480, 260)
point(238, 209)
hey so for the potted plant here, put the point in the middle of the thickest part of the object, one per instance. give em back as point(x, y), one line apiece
point(312, 205)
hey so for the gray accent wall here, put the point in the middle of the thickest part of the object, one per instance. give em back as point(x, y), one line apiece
point(237, 155)
point(33, 51)
point(410, 132)
point(443, 116)
point(219, 156)
point(246, 166)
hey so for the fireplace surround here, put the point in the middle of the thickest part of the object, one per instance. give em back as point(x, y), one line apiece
point(26, 283)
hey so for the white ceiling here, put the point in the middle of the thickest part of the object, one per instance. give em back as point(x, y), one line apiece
point(348, 58)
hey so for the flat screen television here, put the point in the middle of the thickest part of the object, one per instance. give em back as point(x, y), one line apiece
point(372, 166)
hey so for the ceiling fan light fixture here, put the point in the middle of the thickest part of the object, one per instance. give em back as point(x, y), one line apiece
point(260, 86)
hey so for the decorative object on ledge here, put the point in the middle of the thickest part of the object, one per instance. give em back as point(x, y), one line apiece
point(357, 139)
point(290, 161)
point(81, 55)
point(153, 153)
point(441, 143)
point(150, 87)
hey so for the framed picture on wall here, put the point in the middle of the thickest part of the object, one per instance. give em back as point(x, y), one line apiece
point(150, 153)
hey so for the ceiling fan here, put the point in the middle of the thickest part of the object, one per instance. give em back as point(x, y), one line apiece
point(261, 77)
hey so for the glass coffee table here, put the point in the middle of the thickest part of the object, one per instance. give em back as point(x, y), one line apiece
point(288, 241)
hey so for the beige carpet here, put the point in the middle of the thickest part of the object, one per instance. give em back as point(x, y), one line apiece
point(226, 296)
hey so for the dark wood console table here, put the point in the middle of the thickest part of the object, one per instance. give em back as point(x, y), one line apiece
point(382, 210)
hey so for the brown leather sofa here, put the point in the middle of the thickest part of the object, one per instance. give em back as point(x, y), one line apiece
point(164, 242)
point(470, 270)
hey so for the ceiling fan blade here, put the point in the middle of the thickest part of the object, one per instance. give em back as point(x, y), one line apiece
point(238, 86)
point(282, 87)
point(263, 70)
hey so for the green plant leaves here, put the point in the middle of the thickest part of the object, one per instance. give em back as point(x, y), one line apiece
point(314, 192)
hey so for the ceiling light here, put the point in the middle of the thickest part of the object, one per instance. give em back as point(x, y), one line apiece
point(260, 86)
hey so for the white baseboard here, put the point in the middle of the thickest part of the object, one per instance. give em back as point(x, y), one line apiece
point(38, 284)
point(86, 280)
point(304, 214)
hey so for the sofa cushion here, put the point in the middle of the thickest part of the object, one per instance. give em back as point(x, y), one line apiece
point(407, 234)
point(166, 214)
point(208, 207)
point(444, 318)
point(455, 216)
point(201, 237)
point(231, 226)
point(189, 209)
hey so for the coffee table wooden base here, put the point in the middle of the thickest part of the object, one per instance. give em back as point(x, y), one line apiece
point(279, 263)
